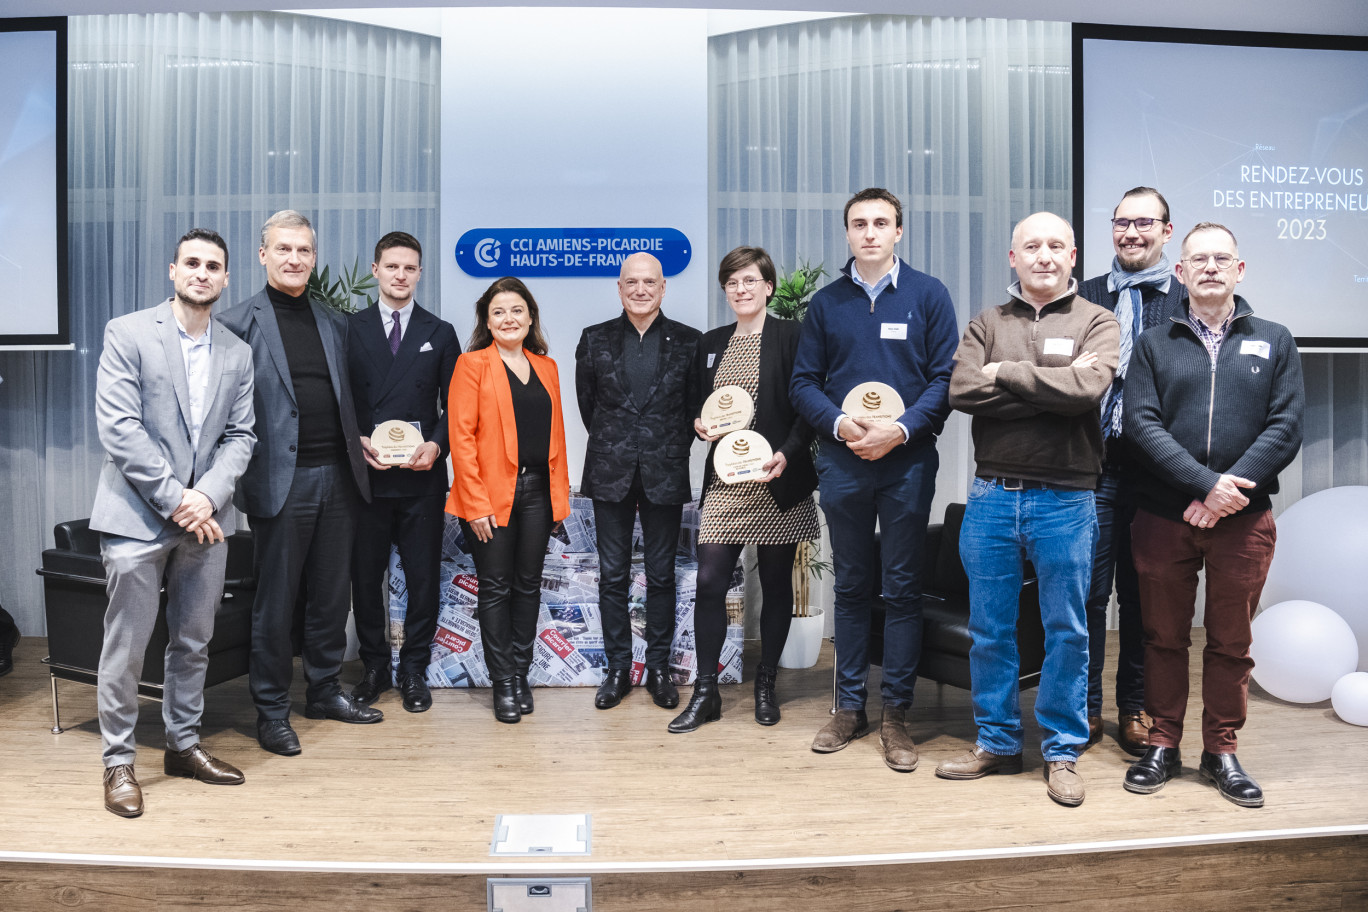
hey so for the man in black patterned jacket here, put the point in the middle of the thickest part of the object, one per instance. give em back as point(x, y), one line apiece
point(636, 383)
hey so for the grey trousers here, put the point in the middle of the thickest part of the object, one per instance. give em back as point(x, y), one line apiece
point(194, 587)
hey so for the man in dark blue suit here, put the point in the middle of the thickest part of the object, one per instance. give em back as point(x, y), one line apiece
point(637, 388)
point(400, 359)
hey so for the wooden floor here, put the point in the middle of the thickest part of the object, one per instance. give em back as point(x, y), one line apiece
point(737, 816)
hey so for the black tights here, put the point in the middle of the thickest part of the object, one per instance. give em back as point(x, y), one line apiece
point(715, 566)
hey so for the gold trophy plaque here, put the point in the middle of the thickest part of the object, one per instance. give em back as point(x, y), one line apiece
point(740, 455)
point(397, 441)
point(729, 408)
point(874, 401)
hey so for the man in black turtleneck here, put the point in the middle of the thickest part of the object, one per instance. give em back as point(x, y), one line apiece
point(301, 490)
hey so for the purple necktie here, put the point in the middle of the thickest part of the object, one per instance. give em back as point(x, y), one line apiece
point(394, 334)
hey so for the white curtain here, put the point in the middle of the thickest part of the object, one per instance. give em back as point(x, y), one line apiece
point(213, 120)
point(966, 120)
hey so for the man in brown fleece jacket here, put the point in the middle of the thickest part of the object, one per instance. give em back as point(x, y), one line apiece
point(1032, 373)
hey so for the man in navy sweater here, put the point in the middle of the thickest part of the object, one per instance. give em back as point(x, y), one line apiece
point(1143, 292)
point(880, 320)
point(1214, 410)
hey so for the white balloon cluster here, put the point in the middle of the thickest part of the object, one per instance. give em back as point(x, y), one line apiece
point(1308, 645)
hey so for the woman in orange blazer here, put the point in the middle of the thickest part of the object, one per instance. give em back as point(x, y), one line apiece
point(511, 482)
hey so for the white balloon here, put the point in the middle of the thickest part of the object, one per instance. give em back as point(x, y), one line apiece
point(1322, 556)
point(1300, 650)
point(1349, 697)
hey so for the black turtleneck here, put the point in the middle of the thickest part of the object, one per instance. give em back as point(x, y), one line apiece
point(320, 424)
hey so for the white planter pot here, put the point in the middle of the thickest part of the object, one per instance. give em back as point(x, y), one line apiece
point(804, 641)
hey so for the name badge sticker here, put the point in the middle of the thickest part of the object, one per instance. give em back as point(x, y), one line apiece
point(1251, 347)
point(711, 356)
point(1059, 347)
point(893, 331)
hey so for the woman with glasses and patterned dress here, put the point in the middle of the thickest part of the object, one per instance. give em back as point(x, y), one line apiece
point(774, 513)
point(511, 481)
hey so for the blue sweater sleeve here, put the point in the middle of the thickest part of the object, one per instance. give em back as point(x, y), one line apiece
point(926, 416)
point(807, 387)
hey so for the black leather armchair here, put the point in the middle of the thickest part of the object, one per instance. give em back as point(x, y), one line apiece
point(74, 598)
point(945, 611)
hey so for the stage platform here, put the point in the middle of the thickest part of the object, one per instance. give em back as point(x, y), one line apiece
point(735, 816)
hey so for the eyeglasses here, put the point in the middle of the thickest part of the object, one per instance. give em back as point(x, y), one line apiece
point(1222, 261)
point(748, 283)
point(1141, 224)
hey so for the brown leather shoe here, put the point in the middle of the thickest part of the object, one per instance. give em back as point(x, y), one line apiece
point(899, 752)
point(1132, 733)
point(123, 795)
point(1063, 782)
point(844, 727)
point(1094, 730)
point(195, 763)
point(978, 763)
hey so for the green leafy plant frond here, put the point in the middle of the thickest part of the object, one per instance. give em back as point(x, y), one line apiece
point(795, 290)
point(339, 293)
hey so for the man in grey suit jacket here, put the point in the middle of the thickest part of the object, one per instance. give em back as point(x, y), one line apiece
point(173, 404)
point(302, 488)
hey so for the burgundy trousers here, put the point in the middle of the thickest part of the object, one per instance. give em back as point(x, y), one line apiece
point(1168, 555)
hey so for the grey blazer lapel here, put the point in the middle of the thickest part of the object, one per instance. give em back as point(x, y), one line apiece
point(270, 331)
point(331, 348)
point(213, 402)
point(175, 361)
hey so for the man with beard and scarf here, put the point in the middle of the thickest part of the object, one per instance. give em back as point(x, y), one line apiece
point(1142, 291)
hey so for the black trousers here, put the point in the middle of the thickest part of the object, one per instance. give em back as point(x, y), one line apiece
point(509, 570)
point(614, 523)
point(415, 525)
point(309, 541)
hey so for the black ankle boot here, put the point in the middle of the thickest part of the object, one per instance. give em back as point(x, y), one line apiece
point(523, 691)
point(766, 706)
point(704, 706)
point(506, 701)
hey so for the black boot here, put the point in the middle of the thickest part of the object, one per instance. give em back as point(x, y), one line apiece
point(704, 706)
point(523, 689)
point(766, 706)
point(506, 701)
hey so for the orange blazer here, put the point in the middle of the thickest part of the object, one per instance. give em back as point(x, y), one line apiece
point(484, 437)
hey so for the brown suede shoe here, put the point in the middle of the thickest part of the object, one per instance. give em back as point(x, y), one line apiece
point(978, 763)
point(1094, 730)
point(1132, 733)
point(899, 752)
point(844, 727)
point(1063, 782)
point(195, 763)
point(122, 794)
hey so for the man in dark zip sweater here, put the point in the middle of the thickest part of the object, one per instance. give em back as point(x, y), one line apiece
point(1214, 409)
point(880, 320)
point(1143, 292)
point(1032, 373)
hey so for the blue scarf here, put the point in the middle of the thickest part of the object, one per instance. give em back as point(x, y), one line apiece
point(1130, 316)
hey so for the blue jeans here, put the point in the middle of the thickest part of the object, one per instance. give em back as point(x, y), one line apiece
point(1112, 557)
point(895, 492)
point(1055, 531)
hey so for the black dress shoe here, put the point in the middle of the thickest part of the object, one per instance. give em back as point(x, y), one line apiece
point(766, 705)
point(7, 645)
point(417, 697)
point(523, 689)
point(704, 706)
point(373, 683)
point(662, 689)
point(506, 701)
point(616, 684)
point(1148, 774)
point(1231, 780)
point(341, 707)
point(276, 736)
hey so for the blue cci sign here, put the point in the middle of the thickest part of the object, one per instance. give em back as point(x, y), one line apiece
point(488, 253)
